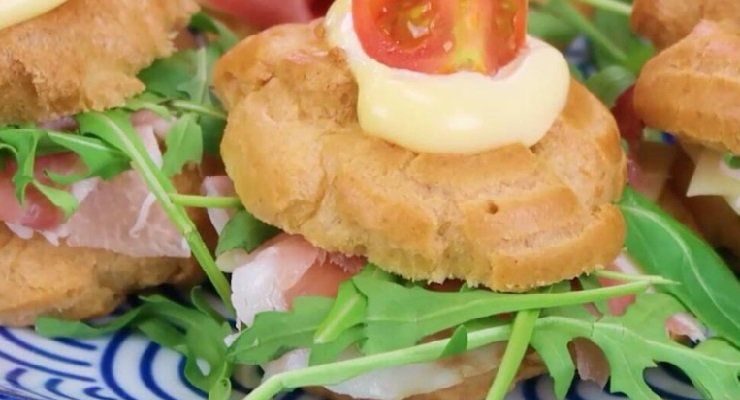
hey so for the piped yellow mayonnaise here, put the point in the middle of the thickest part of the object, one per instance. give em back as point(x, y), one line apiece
point(13, 12)
point(463, 112)
point(712, 177)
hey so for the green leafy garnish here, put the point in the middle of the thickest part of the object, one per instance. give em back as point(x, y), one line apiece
point(550, 28)
point(114, 127)
point(26, 144)
point(609, 83)
point(194, 333)
point(399, 316)
point(642, 331)
point(332, 374)
point(521, 333)
point(395, 316)
point(662, 245)
point(350, 308)
point(713, 366)
point(184, 144)
point(732, 161)
point(275, 333)
point(617, 26)
point(244, 231)
point(185, 79)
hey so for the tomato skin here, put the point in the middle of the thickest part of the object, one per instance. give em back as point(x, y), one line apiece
point(266, 13)
point(441, 36)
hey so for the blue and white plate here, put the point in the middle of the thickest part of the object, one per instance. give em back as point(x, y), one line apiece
point(125, 366)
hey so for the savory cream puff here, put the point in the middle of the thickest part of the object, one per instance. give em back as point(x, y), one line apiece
point(85, 55)
point(692, 90)
point(511, 218)
point(665, 22)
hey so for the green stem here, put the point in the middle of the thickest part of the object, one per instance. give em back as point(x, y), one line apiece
point(161, 187)
point(332, 374)
point(205, 201)
point(521, 334)
point(566, 11)
point(620, 276)
point(198, 109)
point(610, 5)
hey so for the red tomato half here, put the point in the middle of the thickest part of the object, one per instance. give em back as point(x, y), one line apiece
point(441, 36)
point(265, 13)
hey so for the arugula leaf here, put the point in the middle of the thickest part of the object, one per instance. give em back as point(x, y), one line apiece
point(550, 28)
point(324, 353)
point(350, 307)
point(662, 245)
point(149, 101)
point(332, 374)
point(165, 76)
point(589, 282)
point(100, 159)
point(58, 197)
point(184, 144)
point(564, 11)
point(348, 311)
point(609, 83)
point(636, 50)
point(714, 368)
point(195, 334)
point(274, 333)
point(24, 142)
point(458, 342)
point(732, 161)
point(399, 317)
point(114, 127)
point(204, 23)
point(516, 349)
point(244, 231)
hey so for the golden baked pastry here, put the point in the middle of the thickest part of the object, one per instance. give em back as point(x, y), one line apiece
point(37, 278)
point(667, 21)
point(84, 55)
point(692, 89)
point(510, 219)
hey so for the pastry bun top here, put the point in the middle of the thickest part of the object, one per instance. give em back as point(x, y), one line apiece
point(511, 219)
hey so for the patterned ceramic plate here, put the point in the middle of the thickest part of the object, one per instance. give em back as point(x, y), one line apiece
point(127, 367)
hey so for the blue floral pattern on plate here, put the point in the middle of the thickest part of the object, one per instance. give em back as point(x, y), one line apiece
point(126, 366)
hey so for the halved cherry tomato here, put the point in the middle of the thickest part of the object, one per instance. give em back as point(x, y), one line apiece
point(441, 36)
point(265, 13)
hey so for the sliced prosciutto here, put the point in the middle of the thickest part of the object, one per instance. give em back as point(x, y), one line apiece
point(266, 13)
point(286, 267)
point(119, 215)
point(122, 216)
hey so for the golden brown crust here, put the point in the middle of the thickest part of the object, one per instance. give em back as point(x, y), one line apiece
point(84, 55)
point(510, 219)
point(37, 278)
point(472, 388)
point(667, 21)
point(692, 89)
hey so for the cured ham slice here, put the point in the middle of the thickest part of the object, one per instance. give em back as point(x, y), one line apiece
point(119, 215)
point(122, 216)
point(283, 268)
point(266, 13)
point(219, 186)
